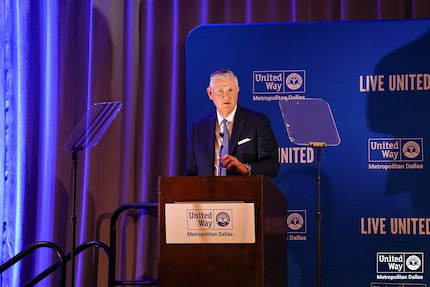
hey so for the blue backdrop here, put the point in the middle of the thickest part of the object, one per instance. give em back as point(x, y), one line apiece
point(374, 185)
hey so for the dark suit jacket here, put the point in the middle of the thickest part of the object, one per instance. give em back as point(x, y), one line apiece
point(260, 151)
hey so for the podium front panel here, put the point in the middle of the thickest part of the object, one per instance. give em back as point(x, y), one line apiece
point(263, 263)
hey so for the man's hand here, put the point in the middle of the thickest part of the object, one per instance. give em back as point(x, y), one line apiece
point(231, 163)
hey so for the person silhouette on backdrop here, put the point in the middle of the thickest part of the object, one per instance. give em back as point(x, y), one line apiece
point(250, 145)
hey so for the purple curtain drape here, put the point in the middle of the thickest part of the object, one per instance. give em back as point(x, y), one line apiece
point(59, 57)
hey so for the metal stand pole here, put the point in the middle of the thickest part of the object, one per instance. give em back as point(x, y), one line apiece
point(87, 134)
point(318, 146)
point(73, 217)
point(318, 218)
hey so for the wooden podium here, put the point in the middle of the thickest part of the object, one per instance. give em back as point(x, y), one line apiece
point(263, 263)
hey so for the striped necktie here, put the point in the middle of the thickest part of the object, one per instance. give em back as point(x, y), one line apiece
point(224, 145)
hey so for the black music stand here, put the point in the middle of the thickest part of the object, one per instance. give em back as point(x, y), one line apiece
point(310, 122)
point(87, 134)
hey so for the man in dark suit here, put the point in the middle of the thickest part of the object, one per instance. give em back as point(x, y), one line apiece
point(252, 149)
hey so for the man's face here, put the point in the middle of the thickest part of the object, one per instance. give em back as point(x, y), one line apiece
point(224, 93)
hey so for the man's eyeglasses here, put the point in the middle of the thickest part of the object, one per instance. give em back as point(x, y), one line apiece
point(220, 92)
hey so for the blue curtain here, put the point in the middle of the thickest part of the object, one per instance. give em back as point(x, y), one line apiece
point(57, 59)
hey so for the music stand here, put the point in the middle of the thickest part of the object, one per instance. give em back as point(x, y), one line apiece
point(310, 122)
point(87, 134)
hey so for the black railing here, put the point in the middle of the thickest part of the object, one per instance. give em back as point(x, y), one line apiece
point(112, 263)
point(61, 263)
point(78, 250)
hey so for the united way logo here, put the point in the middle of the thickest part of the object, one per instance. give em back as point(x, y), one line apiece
point(223, 219)
point(279, 81)
point(400, 262)
point(209, 219)
point(296, 221)
point(294, 81)
point(395, 150)
point(412, 149)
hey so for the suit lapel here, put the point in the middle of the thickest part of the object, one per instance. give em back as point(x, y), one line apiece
point(210, 140)
point(238, 125)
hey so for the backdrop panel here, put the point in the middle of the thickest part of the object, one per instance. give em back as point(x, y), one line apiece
point(375, 187)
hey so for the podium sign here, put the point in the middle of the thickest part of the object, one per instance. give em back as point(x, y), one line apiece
point(208, 222)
